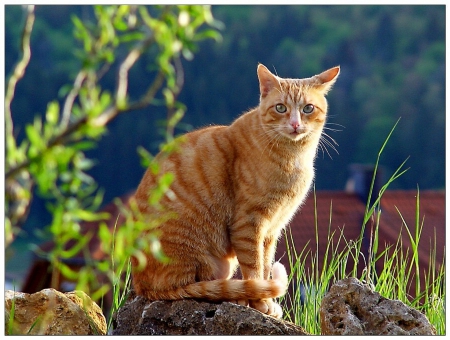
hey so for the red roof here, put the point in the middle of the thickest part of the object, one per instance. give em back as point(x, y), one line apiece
point(339, 210)
point(396, 205)
point(336, 211)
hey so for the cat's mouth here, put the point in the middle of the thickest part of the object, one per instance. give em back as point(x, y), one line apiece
point(293, 134)
point(297, 135)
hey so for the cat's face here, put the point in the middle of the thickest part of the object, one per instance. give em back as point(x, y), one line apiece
point(294, 108)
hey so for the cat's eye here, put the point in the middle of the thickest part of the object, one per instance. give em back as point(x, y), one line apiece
point(308, 108)
point(281, 108)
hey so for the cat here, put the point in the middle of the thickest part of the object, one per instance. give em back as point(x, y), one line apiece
point(235, 189)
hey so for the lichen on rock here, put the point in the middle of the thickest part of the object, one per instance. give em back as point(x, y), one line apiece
point(50, 312)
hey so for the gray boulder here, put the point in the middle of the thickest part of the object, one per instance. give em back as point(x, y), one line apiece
point(352, 308)
point(139, 316)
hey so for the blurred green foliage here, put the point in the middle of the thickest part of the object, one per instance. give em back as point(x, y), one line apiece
point(50, 159)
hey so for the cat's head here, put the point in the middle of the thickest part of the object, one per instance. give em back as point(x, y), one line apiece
point(294, 108)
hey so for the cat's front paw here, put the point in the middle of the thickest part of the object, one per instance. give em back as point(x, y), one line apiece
point(267, 306)
point(240, 302)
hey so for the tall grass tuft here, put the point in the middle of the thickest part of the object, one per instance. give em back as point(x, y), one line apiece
point(400, 267)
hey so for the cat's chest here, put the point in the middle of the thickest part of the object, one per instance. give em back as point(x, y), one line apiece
point(278, 173)
point(286, 186)
point(296, 167)
point(290, 179)
point(292, 170)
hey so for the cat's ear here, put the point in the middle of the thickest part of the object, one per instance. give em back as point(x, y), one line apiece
point(267, 81)
point(325, 80)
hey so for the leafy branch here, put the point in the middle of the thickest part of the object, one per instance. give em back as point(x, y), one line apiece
point(52, 158)
point(96, 108)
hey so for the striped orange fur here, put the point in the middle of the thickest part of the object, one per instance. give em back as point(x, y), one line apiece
point(235, 189)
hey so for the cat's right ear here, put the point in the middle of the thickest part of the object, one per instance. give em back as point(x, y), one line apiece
point(267, 81)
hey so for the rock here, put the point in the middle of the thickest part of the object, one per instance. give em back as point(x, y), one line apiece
point(139, 316)
point(352, 308)
point(50, 312)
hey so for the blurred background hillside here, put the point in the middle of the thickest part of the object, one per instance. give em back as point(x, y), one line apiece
point(392, 62)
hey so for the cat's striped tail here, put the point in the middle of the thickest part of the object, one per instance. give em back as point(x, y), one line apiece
point(229, 290)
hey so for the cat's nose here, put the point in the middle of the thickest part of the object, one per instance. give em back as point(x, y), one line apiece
point(295, 125)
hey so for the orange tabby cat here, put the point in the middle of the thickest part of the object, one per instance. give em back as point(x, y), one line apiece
point(235, 189)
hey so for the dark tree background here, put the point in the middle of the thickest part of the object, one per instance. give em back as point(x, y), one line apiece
point(392, 62)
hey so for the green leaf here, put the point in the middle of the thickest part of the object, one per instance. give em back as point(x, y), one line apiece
point(145, 156)
point(64, 90)
point(101, 292)
point(103, 266)
point(208, 34)
point(133, 36)
point(79, 245)
point(82, 34)
point(52, 114)
point(168, 95)
point(105, 237)
point(176, 117)
point(68, 272)
point(105, 99)
point(34, 137)
point(120, 25)
point(119, 240)
point(84, 145)
point(90, 216)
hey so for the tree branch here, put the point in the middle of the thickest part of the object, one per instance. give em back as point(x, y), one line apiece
point(68, 104)
point(130, 60)
point(102, 120)
point(18, 74)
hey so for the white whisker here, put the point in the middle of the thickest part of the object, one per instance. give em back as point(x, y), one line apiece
point(325, 142)
point(330, 129)
point(331, 123)
point(331, 138)
point(268, 138)
point(323, 147)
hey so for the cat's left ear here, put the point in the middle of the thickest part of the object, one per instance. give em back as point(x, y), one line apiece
point(326, 79)
point(267, 81)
